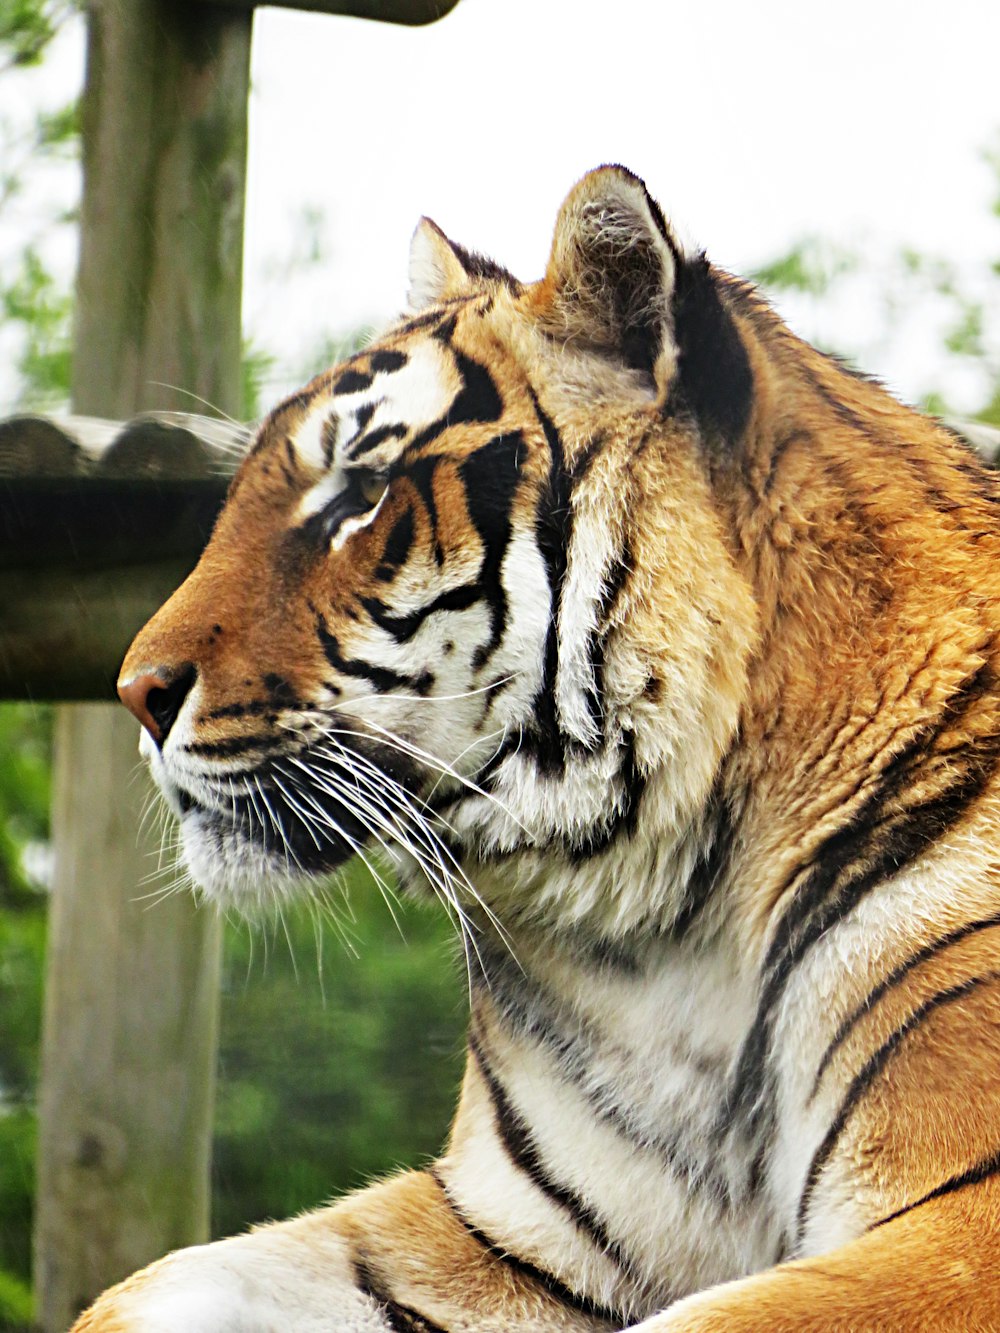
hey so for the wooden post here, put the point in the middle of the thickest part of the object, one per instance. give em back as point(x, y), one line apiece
point(131, 1003)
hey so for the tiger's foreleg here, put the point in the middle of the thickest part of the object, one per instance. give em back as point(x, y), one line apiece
point(934, 1269)
point(392, 1257)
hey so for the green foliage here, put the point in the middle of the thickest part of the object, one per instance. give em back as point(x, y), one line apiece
point(16, 1305)
point(812, 265)
point(33, 299)
point(337, 1063)
point(18, 1132)
point(22, 954)
point(911, 290)
point(25, 738)
point(255, 365)
point(28, 26)
point(25, 743)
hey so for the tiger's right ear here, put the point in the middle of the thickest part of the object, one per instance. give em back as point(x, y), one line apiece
point(437, 271)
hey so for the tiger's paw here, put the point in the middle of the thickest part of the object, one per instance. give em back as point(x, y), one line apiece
point(249, 1284)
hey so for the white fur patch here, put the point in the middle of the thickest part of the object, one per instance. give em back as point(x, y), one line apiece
point(355, 524)
point(293, 1276)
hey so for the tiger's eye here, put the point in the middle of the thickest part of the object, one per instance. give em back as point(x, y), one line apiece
point(371, 487)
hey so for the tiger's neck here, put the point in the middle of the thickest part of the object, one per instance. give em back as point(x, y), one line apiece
point(588, 1142)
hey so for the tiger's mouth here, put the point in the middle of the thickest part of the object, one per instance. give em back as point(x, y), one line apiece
point(295, 817)
point(303, 833)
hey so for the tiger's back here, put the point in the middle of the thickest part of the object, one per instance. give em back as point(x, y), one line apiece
point(666, 648)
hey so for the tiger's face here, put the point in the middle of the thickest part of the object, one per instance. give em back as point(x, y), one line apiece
point(470, 600)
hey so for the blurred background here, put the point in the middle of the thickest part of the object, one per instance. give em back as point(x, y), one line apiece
point(847, 157)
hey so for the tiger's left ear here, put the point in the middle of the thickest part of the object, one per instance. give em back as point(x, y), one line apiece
point(437, 271)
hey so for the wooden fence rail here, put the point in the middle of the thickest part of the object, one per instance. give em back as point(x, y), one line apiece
point(99, 522)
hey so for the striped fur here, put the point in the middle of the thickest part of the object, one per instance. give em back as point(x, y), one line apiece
point(663, 649)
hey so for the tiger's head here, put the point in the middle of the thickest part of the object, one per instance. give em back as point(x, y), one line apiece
point(474, 598)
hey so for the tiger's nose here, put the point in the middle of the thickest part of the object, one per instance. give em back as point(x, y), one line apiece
point(156, 698)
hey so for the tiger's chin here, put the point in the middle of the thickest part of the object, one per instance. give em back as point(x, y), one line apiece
point(233, 871)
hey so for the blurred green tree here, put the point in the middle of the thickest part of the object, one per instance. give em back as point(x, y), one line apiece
point(870, 306)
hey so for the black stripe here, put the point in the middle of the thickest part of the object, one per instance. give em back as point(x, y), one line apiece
point(381, 677)
point(397, 545)
point(353, 381)
point(625, 813)
point(614, 581)
point(981, 477)
point(400, 1318)
point(298, 401)
point(289, 464)
point(713, 371)
point(989, 1166)
point(430, 319)
point(519, 1144)
point(402, 628)
point(362, 417)
point(893, 980)
point(364, 444)
point(511, 744)
point(445, 330)
point(490, 476)
point(714, 859)
point(863, 1080)
point(878, 841)
point(330, 434)
point(477, 401)
point(222, 749)
point(681, 1148)
point(387, 360)
point(540, 1276)
point(553, 534)
point(421, 473)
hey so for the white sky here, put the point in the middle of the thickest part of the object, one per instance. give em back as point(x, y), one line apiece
point(753, 124)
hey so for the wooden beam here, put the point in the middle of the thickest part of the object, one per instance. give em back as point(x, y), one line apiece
point(100, 523)
point(132, 985)
point(415, 13)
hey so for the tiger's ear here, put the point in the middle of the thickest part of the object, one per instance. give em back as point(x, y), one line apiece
point(437, 270)
point(612, 272)
point(620, 283)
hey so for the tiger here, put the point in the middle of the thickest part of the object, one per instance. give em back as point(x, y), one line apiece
point(663, 648)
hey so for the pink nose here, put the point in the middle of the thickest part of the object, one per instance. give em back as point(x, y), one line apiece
point(156, 699)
